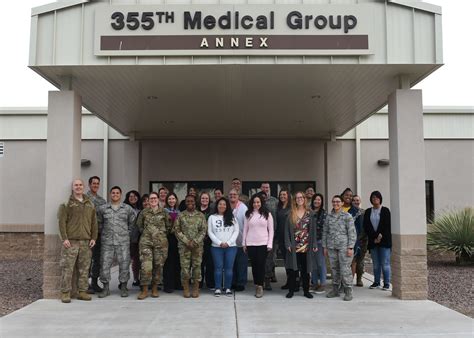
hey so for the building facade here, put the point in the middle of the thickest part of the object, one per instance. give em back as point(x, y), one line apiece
point(255, 86)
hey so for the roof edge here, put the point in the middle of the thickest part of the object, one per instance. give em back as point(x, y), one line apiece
point(423, 6)
point(54, 6)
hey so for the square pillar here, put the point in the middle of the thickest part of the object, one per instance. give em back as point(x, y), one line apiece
point(333, 171)
point(407, 194)
point(63, 164)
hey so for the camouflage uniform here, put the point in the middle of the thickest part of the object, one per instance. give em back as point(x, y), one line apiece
point(190, 226)
point(95, 264)
point(153, 225)
point(271, 203)
point(339, 234)
point(78, 224)
point(116, 226)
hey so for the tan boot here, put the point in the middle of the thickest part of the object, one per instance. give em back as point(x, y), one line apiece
point(83, 296)
point(65, 297)
point(144, 293)
point(185, 283)
point(195, 289)
point(154, 290)
point(259, 291)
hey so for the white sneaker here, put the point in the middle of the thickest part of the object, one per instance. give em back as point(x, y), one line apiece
point(217, 293)
point(228, 292)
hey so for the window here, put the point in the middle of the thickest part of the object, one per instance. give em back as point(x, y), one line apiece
point(429, 201)
point(251, 187)
point(180, 188)
point(2, 149)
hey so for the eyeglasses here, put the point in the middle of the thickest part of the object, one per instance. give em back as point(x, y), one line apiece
point(153, 198)
point(300, 198)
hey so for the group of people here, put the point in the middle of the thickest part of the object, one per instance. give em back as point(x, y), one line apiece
point(184, 246)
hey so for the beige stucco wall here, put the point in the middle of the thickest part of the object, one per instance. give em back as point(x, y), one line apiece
point(450, 164)
point(250, 160)
point(22, 179)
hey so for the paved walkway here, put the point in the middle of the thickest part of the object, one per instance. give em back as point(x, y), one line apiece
point(372, 313)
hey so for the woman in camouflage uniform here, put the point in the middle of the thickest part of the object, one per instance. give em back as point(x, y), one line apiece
point(153, 223)
point(339, 237)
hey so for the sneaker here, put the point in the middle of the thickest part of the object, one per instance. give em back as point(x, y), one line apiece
point(228, 293)
point(217, 293)
point(386, 287)
point(320, 289)
point(375, 286)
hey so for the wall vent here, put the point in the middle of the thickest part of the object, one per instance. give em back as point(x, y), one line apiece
point(2, 149)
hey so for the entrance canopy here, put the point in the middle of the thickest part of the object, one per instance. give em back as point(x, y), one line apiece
point(199, 73)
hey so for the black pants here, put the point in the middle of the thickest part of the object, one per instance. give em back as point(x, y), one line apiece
point(207, 265)
point(95, 261)
point(258, 256)
point(301, 260)
point(283, 251)
point(172, 267)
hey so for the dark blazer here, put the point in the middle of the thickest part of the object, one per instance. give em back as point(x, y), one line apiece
point(385, 228)
point(290, 257)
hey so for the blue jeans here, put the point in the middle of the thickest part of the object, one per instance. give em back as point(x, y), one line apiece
point(381, 262)
point(320, 270)
point(240, 268)
point(223, 260)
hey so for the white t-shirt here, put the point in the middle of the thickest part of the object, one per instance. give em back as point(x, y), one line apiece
point(220, 233)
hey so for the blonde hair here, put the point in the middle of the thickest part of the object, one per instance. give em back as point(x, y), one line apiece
point(294, 207)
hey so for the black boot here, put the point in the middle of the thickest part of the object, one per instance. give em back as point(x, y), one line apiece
point(291, 283)
point(305, 280)
point(267, 285)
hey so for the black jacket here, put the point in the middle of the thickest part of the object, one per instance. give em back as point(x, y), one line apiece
point(385, 228)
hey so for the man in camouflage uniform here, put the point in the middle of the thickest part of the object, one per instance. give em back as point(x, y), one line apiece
point(116, 221)
point(153, 224)
point(190, 228)
point(339, 237)
point(93, 194)
point(78, 232)
point(271, 203)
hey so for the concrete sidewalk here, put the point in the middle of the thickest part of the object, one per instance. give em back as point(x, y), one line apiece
point(371, 313)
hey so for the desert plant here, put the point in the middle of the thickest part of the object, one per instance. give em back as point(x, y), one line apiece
point(454, 231)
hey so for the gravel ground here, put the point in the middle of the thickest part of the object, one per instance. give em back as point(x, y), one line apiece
point(20, 284)
point(448, 284)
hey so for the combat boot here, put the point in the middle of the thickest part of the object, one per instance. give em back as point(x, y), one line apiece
point(83, 296)
point(94, 287)
point(268, 286)
point(347, 293)
point(123, 290)
point(105, 291)
point(359, 280)
point(195, 289)
point(334, 292)
point(144, 293)
point(154, 290)
point(186, 293)
point(65, 297)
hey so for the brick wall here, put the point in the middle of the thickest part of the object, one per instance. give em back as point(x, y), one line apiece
point(21, 245)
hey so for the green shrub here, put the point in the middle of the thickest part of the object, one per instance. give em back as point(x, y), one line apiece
point(454, 231)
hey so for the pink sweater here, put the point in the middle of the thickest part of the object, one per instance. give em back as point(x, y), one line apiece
point(258, 230)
